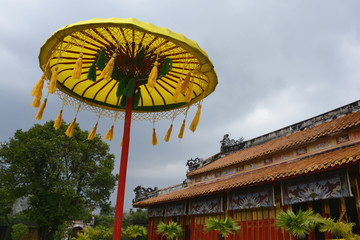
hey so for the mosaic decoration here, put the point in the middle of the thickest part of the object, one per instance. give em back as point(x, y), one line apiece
point(156, 211)
point(320, 186)
point(268, 161)
point(301, 151)
point(356, 135)
point(252, 198)
point(228, 171)
point(175, 209)
point(342, 139)
point(206, 205)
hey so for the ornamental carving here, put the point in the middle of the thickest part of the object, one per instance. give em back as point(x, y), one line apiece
point(142, 193)
point(193, 164)
point(228, 144)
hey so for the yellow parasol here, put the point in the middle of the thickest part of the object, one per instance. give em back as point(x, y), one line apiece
point(124, 69)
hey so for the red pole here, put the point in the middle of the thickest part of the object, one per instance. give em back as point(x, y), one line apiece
point(122, 172)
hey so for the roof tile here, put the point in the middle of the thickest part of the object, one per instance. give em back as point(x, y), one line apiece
point(326, 160)
point(283, 143)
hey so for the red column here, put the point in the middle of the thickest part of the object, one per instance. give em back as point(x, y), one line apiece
point(122, 172)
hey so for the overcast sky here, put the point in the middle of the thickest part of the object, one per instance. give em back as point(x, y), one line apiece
point(278, 62)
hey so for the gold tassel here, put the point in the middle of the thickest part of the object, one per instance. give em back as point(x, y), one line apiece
point(186, 83)
point(121, 143)
point(177, 91)
point(78, 67)
point(195, 121)
point(52, 86)
point(93, 132)
point(41, 110)
point(181, 133)
point(37, 90)
point(168, 134)
point(57, 122)
point(108, 69)
point(153, 75)
point(109, 135)
point(36, 102)
point(189, 92)
point(154, 138)
point(70, 130)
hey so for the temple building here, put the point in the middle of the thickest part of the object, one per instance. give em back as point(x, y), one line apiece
point(313, 164)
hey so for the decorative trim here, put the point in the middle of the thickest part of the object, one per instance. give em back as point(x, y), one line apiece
point(175, 209)
point(249, 198)
point(156, 211)
point(327, 185)
point(206, 205)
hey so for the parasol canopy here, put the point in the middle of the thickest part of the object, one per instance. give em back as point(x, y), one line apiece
point(124, 69)
point(138, 46)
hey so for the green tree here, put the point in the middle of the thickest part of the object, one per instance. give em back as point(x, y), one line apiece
point(98, 233)
point(301, 223)
point(103, 220)
point(224, 227)
point(19, 231)
point(7, 198)
point(298, 224)
point(63, 178)
point(137, 217)
point(172, 230)
point(136, 232)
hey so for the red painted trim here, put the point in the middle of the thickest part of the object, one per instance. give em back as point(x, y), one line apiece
point(122, 172)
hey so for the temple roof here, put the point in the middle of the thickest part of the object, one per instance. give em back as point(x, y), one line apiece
point(283, 143)
point(330, 144)
point(332, 159)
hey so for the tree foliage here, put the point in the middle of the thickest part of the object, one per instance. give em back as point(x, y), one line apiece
point(62, 177)
point(98, 233)
point(224, 227)
point(135, 217)
point(301, 223)
point(172, 230)
point(19, 231)
point(136, 232)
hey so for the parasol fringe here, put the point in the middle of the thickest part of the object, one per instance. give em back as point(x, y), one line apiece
point(78, 67)
point(185, 83)
point(181, 133)
point(36, 102)
point(109, 135)
point(107, 71)
point(196, 119)
point(168, 134)
point(154, 138)
point(189, 92)
point(52, 86)
point(70, 130)
point(92, 73)
point(37, 90)
point(41, 110)
point(177, 91)
point(57, 122)
point(93, 132)
point(153, 75)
